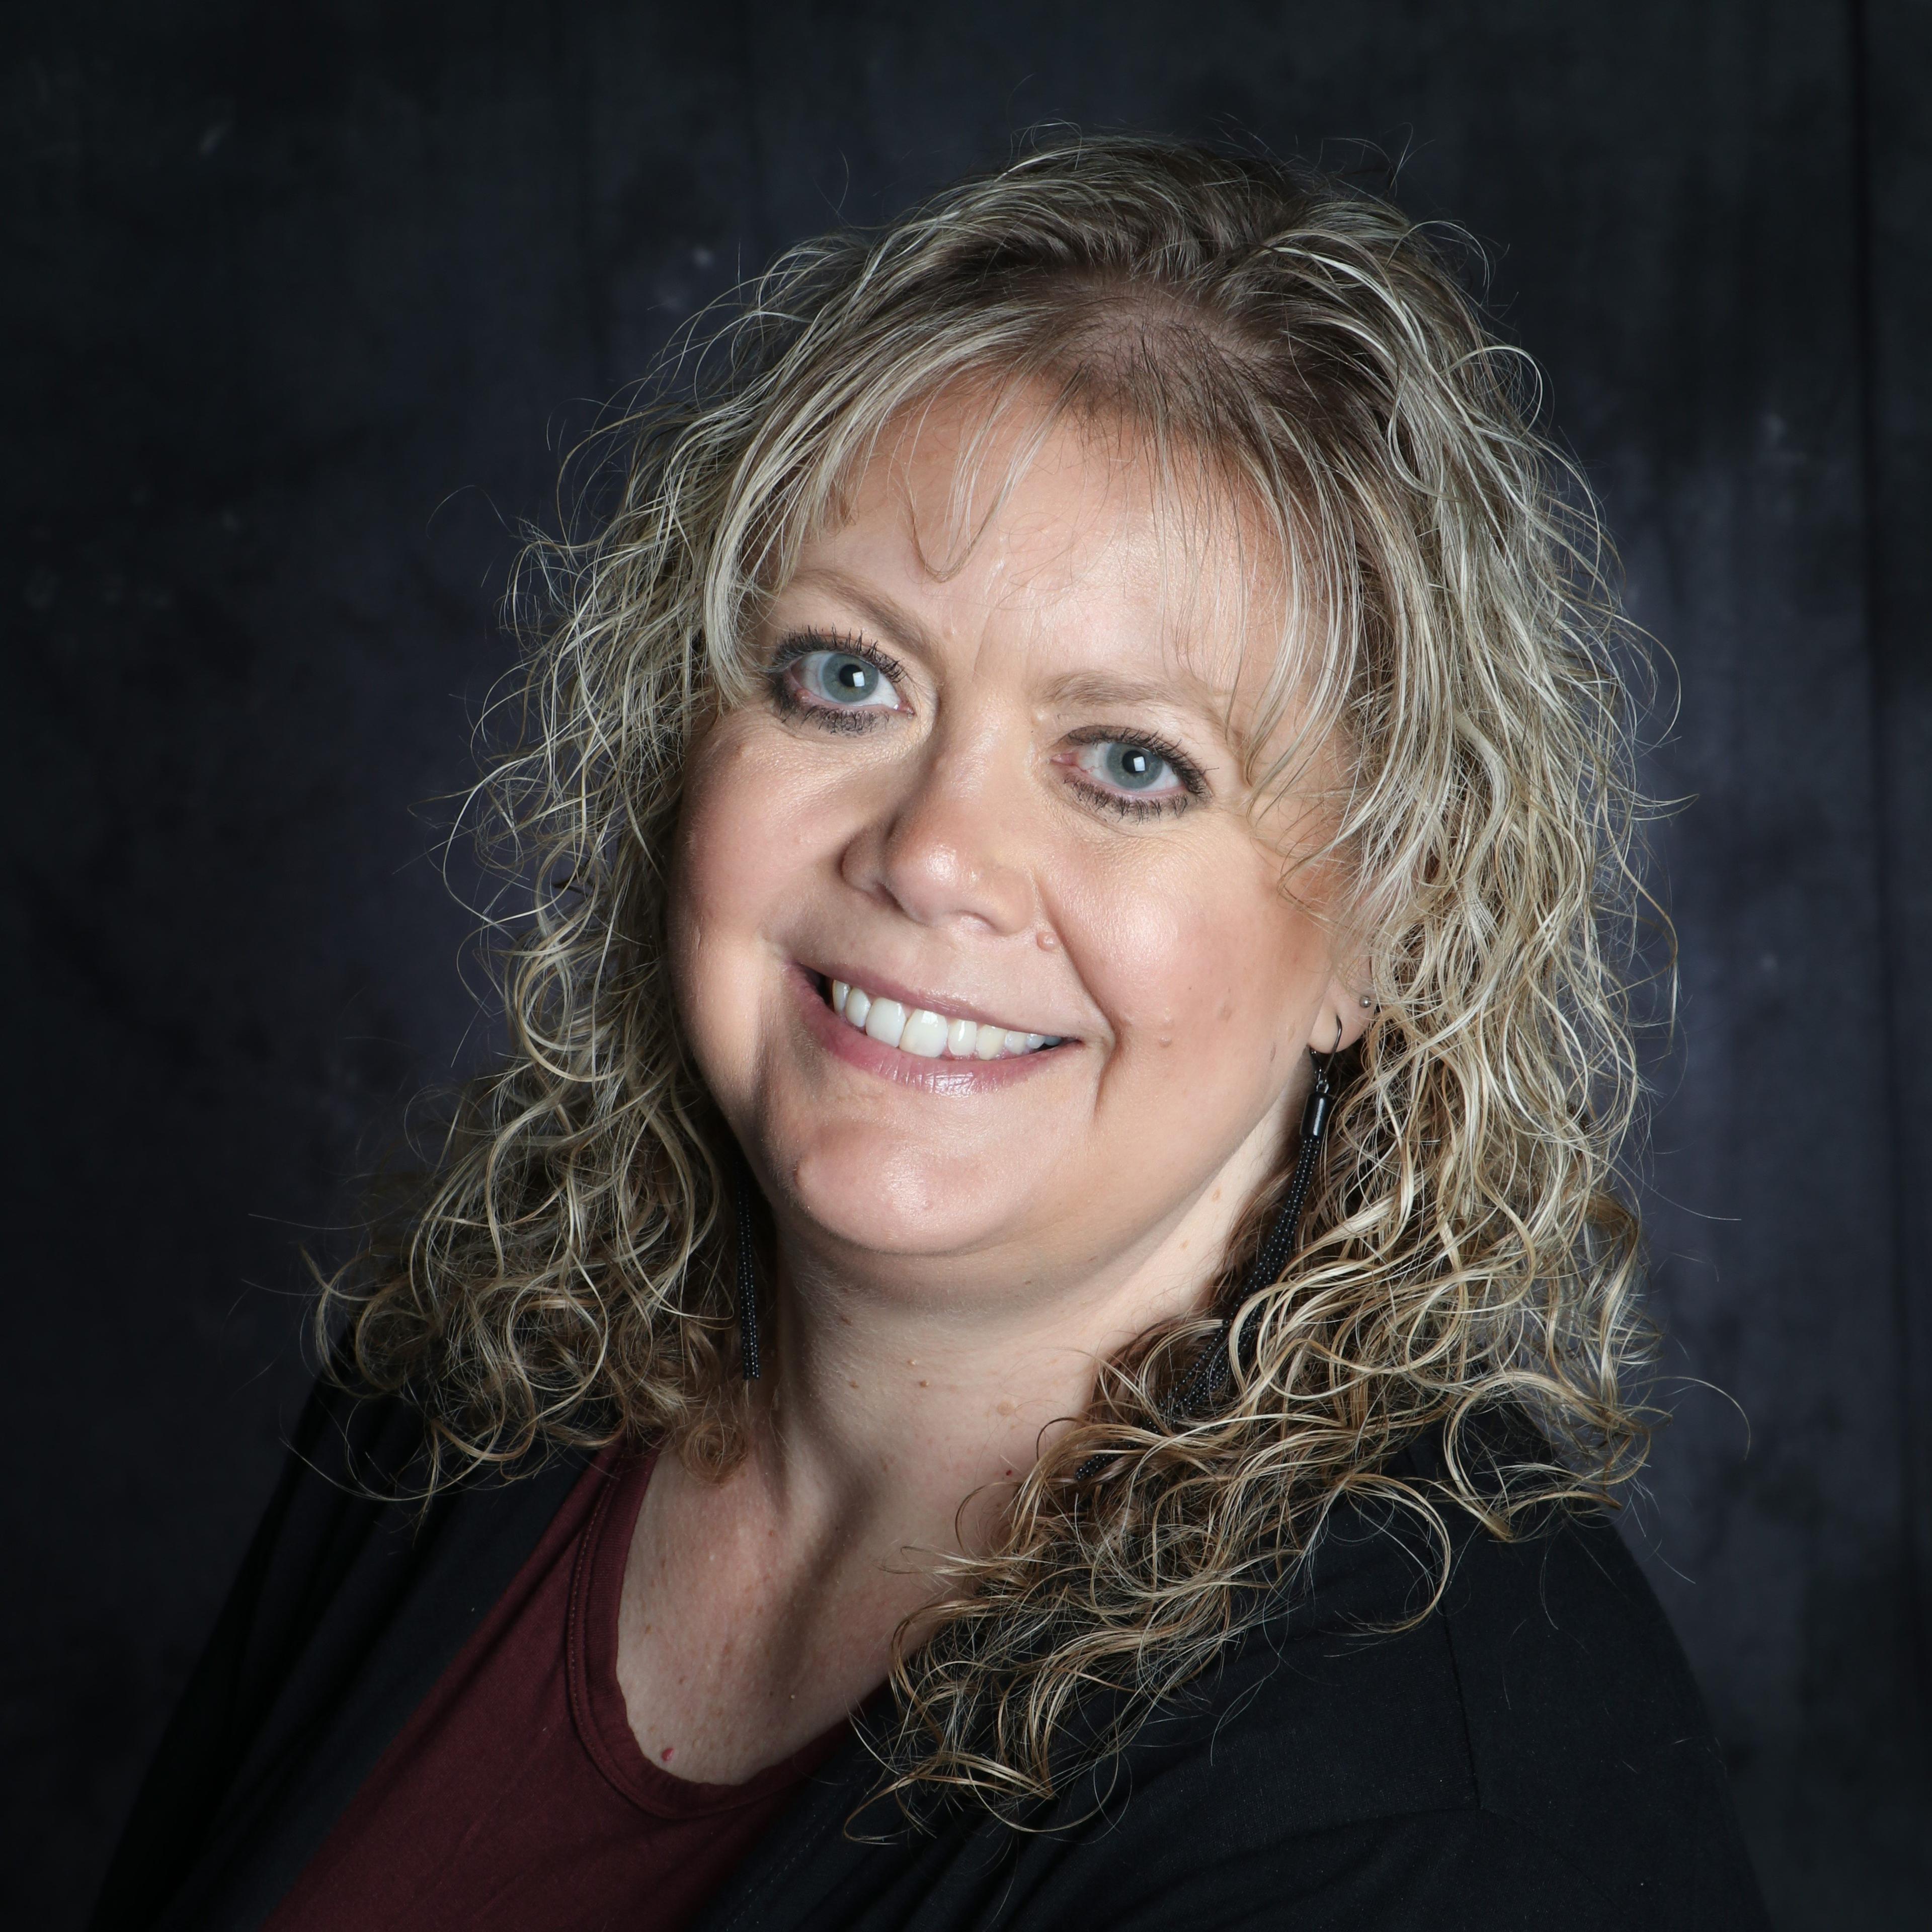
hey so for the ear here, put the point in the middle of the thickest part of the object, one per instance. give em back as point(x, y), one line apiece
point(1346, 1008)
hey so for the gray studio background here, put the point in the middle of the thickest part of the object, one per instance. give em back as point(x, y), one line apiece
point(301, 304)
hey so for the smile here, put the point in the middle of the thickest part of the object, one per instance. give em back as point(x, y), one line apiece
point(928, 1035)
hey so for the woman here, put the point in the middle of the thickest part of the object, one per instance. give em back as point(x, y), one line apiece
point(1033, 1333)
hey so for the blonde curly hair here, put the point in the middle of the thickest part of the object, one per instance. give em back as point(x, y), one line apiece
point(566, 1279)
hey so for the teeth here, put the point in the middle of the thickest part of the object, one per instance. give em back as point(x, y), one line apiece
point(924, 1035)
point(928, 1034)
point(885, 1021)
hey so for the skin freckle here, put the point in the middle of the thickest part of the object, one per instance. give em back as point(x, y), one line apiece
point(1053, 701)
point(826, 855)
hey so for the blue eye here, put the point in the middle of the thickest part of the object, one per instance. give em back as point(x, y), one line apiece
point(1132, 767)
point(842, 679)
point(1130, 770)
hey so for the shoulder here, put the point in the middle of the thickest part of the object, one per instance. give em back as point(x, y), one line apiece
point(1532, 1752)
point(351, 1598)
point(1535, 1744)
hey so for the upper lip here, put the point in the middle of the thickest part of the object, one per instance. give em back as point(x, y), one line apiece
point(882, 986)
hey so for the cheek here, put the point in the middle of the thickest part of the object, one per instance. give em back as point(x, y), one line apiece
point(720, 845)
point(1208, 975)
point(737, 849)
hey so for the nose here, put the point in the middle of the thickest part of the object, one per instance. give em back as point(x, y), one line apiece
point(947, 847)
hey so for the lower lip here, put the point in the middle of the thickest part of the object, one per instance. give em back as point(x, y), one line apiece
point(839, 1037)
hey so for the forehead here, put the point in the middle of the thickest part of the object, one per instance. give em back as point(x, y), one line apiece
point(1074, 534)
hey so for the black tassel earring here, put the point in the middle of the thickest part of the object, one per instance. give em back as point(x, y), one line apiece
point(1210, 1376)
point(1212, 1372)
point(748, 1363)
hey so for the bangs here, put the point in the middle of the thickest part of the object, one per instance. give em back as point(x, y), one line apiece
point(1226, 476)
point(1293, 370)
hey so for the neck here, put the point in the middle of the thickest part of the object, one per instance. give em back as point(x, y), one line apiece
point(897, 1414)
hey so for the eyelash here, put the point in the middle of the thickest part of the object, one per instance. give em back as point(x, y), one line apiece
point(1193, 783)
point(802, 644)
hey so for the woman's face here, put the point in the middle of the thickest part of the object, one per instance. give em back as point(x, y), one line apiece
point(994, 788)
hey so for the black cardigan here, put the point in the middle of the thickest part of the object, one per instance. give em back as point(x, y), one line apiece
point(1533, 1754)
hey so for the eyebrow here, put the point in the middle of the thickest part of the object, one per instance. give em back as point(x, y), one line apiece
point(899, 624)
point(1104, 687)
point(1187, 692)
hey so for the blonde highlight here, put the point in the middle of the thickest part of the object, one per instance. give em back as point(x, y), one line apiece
point(1468, 1247)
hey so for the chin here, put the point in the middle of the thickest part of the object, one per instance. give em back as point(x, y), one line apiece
point(889, 1199)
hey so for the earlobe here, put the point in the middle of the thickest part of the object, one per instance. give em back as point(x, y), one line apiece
point(1342, 1019)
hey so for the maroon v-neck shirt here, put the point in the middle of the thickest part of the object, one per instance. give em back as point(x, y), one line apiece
point(517, 1797)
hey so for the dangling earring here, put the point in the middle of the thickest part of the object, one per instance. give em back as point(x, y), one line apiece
point(748, 1364)
point(1211, 1373)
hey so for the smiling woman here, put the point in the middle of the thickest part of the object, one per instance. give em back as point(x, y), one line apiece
point(1046, 1252)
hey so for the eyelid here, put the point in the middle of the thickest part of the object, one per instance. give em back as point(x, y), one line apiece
point(1193, 780)
point(799, 644)
point(802, 643)
point(805, 643)
point(1122, 805)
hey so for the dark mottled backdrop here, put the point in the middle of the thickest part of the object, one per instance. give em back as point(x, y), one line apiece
point(301, 301)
